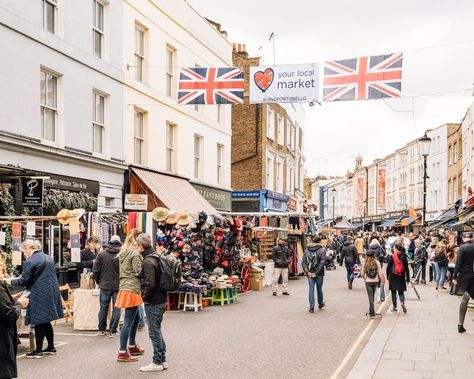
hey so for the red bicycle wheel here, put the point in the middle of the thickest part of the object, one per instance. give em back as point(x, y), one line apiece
point(245, 276)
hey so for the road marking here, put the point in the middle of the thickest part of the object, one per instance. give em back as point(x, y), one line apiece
point(78, 334)
point(57, 344)
point(356, 344)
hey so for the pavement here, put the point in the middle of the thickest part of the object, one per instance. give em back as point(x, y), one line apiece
point(260, 336)
point(423, 343)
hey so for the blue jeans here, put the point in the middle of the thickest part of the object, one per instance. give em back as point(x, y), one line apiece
point(435, 271)
point(318, 282)
point(350, 272)
point(107, 296)
point(129, 329)
point(401, 295)
point(141, 315)
point(154, 316)
point(441, 276)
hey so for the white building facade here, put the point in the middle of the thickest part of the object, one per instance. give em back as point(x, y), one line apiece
point(467, 152)
point(61, 83)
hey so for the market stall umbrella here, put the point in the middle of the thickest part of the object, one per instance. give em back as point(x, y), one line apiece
point(345, 225)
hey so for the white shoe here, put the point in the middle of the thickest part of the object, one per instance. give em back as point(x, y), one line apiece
point(152, 367)
point(165, 365)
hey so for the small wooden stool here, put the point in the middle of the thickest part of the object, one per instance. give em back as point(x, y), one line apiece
point(172, 301)
point(232, 295)
point(181, 296)
point(220, 296)
point(193, 301)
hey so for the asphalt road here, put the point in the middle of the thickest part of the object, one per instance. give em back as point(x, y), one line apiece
point(261, 336)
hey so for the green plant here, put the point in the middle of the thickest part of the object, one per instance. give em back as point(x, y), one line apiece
point(7, 205)
point(55, 199)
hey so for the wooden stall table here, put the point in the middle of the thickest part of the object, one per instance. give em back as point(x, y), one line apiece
point(26, 331)
point(86, 309)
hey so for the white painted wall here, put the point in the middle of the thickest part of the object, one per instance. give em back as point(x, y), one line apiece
point(436, 196)
point(468, 151)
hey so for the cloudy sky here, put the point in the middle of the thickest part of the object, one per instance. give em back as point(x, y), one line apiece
point(314, 31)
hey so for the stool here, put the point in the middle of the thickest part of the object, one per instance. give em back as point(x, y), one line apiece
point(181, 300)
point(232, 295)
point(192, 300)
point(220, 296)
point(172, 303)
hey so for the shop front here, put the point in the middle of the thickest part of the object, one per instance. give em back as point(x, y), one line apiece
point(274, 201)
point(218, 198)
point(246, 201)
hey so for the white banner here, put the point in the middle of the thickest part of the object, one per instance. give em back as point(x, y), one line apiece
point(136, 202)
point(298, 83)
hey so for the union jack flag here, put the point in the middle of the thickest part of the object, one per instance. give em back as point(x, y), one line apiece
point(211, 85)
point(363, 78)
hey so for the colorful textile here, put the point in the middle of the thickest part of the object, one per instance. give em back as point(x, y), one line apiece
point(211, 85)
point(363, 78)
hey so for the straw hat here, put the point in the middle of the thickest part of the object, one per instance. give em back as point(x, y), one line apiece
point(160, 214)
point(65, 214)
point(173, 217)
point(184, 219)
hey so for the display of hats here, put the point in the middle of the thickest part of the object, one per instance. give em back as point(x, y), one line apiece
point(64, 215)
point(184, 219)
point(173, 217)
point(160, 214)
point(202, 217)
point(210, 221)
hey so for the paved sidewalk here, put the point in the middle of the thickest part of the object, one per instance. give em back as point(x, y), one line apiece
point(424, 343)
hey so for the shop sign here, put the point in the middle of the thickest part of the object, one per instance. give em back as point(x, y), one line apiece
point(276, 205)
point(277, 196)
point(381, 187)
point(136, 202)
point(245, 195)
point(219, 199)
point(32, 192)
point(292, 205)
point(72, 184)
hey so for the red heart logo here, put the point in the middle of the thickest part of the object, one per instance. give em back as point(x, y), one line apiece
point(264, 79)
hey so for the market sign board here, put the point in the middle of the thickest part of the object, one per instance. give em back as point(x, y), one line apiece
point(136, 202)
point(72, 184)
point(381, 187)
point(218, 198)
point(297, 83)
point(32, 192)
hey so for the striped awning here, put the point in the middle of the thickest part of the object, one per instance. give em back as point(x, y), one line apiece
point(174, 192)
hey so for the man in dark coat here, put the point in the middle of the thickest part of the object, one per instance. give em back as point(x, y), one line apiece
point(464, 277)
point(281, 257)
point(313, 264)
point(106, 275)
point(398, 275)
point(88, 255)
point(350, 257)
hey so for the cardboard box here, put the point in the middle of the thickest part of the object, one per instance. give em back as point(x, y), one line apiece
point(256, 283)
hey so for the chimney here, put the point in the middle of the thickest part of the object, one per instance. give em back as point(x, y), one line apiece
point(239, 47)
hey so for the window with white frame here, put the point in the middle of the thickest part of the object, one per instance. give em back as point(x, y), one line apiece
point(450, 155)
point(455, 189)
point(270, 169)
point(197, 156)
point(170, 147)
point(450, 191)
point(455, 152)
point(49, 107)
point(287, 181)
point(279, 176)
point(139, 52)
point(50, 8)
point(139, 138)
point(270, 124)
point(288, 134)
point(220, 163)
point(293, 137)
point(170, 70)
point(412, 199)
point(98, 123)
point(281, 130)
point(98, 28)
point(412, 174)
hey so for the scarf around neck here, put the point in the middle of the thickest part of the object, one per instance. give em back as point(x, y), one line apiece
point(398, 264)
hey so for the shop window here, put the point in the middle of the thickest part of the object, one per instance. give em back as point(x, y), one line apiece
point(49, 15)
point(139, 52)
point(49, 109)
point(270, 176)
point(109, 202)
point(197, 156)
point(455, 152)
point(98, 123)
point(170, 70)
point(139, 138)
point(279, 177)
point(271, 124)
point(220, 160)
point(170, 147)
point(98, 28)
point(281, 137)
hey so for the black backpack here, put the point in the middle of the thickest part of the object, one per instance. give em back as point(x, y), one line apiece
point(170, 273)
point(372, 272)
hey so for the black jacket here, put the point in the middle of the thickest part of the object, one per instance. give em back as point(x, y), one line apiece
point(87, 259)
point(379, 252)
point(398, 283)
point(442, 259)
point(150, 278)
point(106, 267)
point(464, 269)
point(281, 256)
point(349, 254)
point(314, 260)
point(9, 314)
point(421, 255)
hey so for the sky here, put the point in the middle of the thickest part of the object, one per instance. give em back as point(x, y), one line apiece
point(308, 31)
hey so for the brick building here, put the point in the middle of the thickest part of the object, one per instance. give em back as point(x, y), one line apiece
point(267, 151)
point(454, 163)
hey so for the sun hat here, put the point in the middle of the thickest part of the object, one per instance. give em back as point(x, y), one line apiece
point(173, 217)
point(160, 214)
point(184, 219)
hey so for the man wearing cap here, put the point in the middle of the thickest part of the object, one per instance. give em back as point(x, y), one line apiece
point(281, 257)
point(106, 275)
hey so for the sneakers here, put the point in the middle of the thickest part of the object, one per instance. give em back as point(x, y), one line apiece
point(152, 367)
point(394, 310)
point(322, 306)
point(404, 308)
point(141, 327)
point(35, 355)
point(311, 310)
point(126, 357)
point(286, 293)
point(50, 351)
point(461, 329)
point(136, 350)
point(113, 334)
point(274, 293)
point(372, 317)
point(101, 333)
point(165, 365)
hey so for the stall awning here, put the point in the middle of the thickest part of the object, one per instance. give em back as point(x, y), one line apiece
point(408, 220)
point(389, 223)
point(174, 192)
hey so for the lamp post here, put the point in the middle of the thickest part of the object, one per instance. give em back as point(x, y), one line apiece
point(425, 144)
point(333, 195)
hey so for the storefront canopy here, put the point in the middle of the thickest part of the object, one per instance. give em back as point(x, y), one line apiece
point(344, 224)
point(408, 220)
point(174, 192)
point(389, 223)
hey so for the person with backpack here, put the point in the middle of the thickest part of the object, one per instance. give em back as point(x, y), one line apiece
point(313, 263)
point(373, 276)
point(378, 252)
point(281, 257)
point(420, 259)
point(350, 257)
point(155, 302)
point(398, 275)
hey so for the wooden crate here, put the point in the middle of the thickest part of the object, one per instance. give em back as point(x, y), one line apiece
point(265, 247)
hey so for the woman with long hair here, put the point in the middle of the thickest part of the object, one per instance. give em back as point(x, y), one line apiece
point(373, 276)
point(442, 261)
point(398, 275)
point(452, 253)
point(129, 296)
point(42, 287)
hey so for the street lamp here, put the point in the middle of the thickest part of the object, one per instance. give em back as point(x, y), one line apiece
point(425, 144)
point(333, 195)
